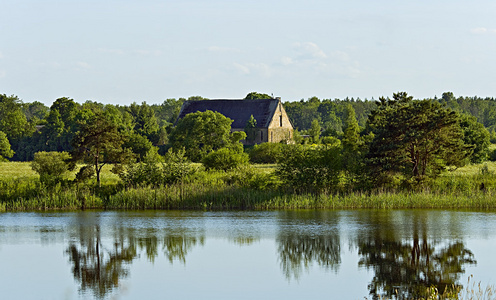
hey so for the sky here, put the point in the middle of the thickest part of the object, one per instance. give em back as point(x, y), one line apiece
point(123, 51)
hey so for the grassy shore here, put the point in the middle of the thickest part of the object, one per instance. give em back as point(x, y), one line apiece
point(471, 187)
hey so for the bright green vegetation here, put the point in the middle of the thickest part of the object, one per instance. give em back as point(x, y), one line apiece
point(408, 153)
point(252, 187)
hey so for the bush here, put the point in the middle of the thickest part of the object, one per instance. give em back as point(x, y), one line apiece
point(266, 153)
point(143, 173)
point(84, 174)
point(311, 168)
point(50, 166)
point(225, 159)
point(176, 166)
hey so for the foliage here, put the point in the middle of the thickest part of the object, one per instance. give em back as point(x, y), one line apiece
point(34, 110)
point(84, 174)
point(266, 153)
point(51, 166)
point(203, 132)
point(415, 138)
point(168, 111)
point(5, 151)
point(139, 145)
point(255, 95)
point(142, 173)
point(98, 143)
point(310, 169)
point(314, 131)
point(353, 148)
point(13, 122)
point(225, 159)
point(251, 129)
point(145, 121)
point(477, 136)
point(150, 172)
point(176, 166)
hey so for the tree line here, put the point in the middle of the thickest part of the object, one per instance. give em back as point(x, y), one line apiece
point(398, 135)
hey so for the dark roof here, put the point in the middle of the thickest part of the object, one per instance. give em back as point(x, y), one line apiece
point(237, 110)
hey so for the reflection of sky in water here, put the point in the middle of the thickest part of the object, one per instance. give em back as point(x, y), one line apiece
point(228, 255)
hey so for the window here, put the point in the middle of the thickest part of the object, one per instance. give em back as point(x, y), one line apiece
point(261, 136)
point(280, 120)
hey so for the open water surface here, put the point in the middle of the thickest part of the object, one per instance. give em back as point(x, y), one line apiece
point(341, 254)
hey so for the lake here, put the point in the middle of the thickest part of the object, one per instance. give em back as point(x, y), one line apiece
point(321, 254)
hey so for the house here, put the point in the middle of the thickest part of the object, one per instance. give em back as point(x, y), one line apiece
point(273, 124)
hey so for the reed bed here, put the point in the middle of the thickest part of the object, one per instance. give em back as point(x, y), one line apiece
point(256, 188)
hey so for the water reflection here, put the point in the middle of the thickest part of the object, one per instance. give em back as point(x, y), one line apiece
point(297, 252)
point(398, 253)
point(98, 267)
point(407, 262)
point(99, 264)
point(307, 238)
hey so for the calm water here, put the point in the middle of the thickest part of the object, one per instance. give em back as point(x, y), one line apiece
point(242, 255)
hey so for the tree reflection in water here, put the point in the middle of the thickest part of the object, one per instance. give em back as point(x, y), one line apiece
point(306, 238)
point(406, 266)
point(298, 251)
point(99, 265)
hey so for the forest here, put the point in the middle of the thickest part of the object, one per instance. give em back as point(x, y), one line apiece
point(342, 148)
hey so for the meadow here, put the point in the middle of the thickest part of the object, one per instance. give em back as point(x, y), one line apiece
point(253, 187)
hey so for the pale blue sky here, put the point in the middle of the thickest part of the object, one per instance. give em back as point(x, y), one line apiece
point(120, 51)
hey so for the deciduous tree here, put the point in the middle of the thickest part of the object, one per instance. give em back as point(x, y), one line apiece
point(203, 132)
point(5, 151)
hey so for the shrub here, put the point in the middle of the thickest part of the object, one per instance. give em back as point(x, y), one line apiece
point(266, 153)
point(311, 168)
point(50, 166)
point(176, 166)
point(225, 159)
point(84, 174)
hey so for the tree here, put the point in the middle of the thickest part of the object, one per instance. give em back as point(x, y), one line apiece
point(255, 95)
point(99, 143)
point(5, 151)
point(34, 110)
point(476, 135)
point(417, 138)
point(145, 122)
point(13, 122)
point(139, 145)
point(351, 131)
point(352, 145)
point(50, 166)
point(314, 131)
point(203, 132)
point(251, 129)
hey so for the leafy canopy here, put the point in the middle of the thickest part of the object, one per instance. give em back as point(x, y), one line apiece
point(416, 138)
point(203, 132)
point(5, 151)
point(98, 143)
point(50, 166)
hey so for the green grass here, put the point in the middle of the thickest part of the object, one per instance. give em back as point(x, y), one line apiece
point(22, 170)
point(251, 188)
point(14, 170)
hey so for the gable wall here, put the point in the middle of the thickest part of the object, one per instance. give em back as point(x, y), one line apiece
point(280, 127)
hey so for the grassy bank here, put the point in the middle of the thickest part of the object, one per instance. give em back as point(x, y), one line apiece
point(253, 188)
